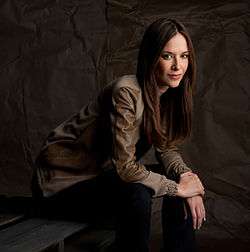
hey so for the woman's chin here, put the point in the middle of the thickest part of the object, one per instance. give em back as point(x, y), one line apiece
point(173, 84)
point(170, 84)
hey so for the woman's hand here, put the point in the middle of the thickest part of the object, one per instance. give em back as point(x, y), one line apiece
point(197, 210)
point(189, 185)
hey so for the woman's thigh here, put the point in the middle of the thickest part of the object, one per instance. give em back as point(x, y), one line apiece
point(89, 200)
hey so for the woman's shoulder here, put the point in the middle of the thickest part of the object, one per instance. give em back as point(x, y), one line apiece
point(127, 88)
point(126, 81)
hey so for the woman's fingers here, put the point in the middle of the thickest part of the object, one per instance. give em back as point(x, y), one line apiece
point(204, 212)
point(199, 217)
point(194, 217)
point(192, 205)
point(202, 191)
point(197, 211)
point(201, 187)
point(189, 173)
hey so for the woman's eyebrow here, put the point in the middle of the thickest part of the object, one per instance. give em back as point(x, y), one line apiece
point(174, 53)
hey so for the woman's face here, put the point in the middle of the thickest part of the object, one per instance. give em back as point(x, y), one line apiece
point(173, 63)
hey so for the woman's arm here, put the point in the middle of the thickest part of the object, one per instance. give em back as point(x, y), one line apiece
point(172, 161)
point(126, 133)
point(189, 184)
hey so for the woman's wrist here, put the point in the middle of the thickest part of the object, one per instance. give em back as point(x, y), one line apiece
point(179, 191)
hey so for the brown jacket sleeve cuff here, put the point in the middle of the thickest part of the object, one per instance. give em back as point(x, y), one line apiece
point(160, 184)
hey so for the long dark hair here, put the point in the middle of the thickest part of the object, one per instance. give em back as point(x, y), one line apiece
point(167, 118)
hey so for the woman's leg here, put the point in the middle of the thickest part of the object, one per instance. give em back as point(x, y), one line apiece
point(107, 196)
point(178, 232)
point(87, 201)
point(133, 218)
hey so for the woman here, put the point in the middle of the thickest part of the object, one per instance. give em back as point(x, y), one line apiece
point(92, 159)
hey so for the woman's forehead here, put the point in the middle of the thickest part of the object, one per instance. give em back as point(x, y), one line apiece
point(177, 44)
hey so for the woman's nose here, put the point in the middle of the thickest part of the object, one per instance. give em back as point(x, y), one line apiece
point(175, 65)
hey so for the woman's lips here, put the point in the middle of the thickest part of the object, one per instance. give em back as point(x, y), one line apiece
point(174, 76)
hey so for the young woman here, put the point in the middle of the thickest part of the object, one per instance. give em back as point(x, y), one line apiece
point(90, 164)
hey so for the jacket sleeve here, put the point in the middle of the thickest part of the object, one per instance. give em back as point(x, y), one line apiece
point(125, 131)
point(172, 161)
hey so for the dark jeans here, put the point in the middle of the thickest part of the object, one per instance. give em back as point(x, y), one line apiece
point(107, 199)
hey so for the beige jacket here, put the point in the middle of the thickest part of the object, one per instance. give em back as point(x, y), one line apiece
point(107, 132)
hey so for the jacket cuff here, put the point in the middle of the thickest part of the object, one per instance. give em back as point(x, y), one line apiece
point(160, 184)
point(171, 188)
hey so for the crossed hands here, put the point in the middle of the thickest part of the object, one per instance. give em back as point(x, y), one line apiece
point(191, 188)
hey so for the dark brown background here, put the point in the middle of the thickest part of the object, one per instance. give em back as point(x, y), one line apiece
point(56, 55)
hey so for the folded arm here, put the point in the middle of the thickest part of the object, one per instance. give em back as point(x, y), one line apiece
point(125, 130)
point(172, 161)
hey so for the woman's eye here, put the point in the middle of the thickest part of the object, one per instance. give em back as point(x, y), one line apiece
point(167, 56)
point(185, 56)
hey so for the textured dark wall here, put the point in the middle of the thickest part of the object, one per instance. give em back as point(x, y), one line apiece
point(53, 60)
point(56, 55)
